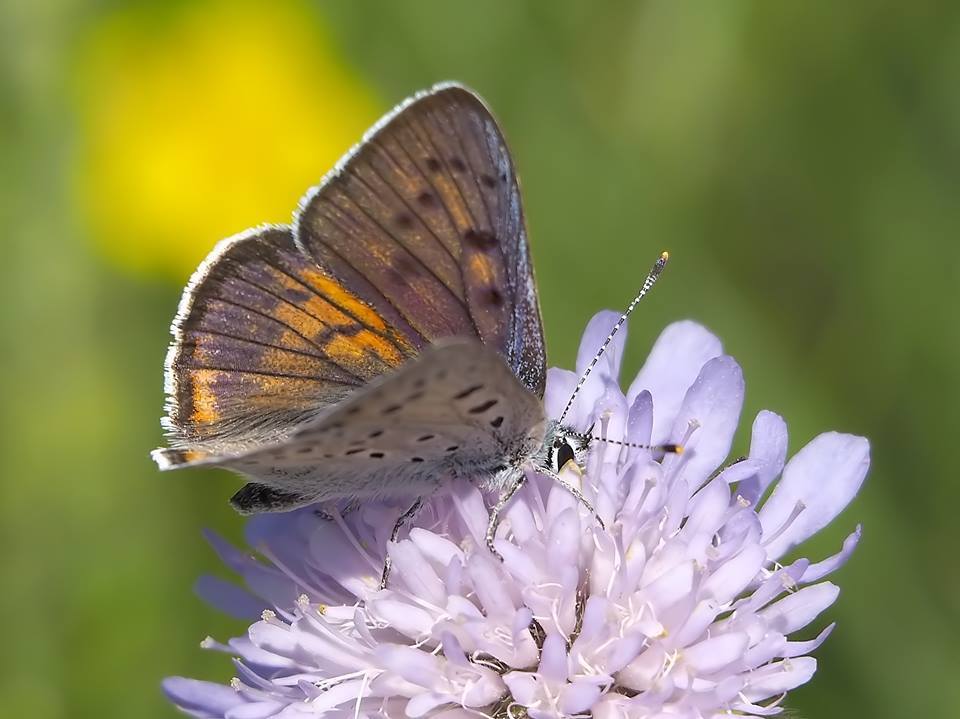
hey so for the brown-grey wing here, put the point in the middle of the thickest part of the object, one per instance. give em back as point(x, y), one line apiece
point(423, 218)
point(264, 339)
point(457, 410)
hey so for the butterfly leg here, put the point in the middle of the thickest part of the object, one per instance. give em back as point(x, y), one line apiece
point(401, 521)
point(578, 495)
point(498, 508)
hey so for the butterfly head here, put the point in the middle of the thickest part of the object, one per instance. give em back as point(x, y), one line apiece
point(562, 445)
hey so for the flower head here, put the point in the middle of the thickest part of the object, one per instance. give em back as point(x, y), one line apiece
point(679, 607)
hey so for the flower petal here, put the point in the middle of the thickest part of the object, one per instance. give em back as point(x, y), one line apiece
point(712, 655)
point(768, 448)
point(677, 357)
point(424, 702)
point(414, 622)
point(560, 385)
point(795, 649)
point(595, 334)
point(229, 598)
point(255, 710)
point(553, 658)
point(435, 546)
point(523, 686)
point(819, 570)
point(416, 572)
point(735, 575)
point(203, 699)
point(779, 677)
point(640, 424)
point(713, 402)
point(622, 652)
point(824, 476)
point(672, 586)
point(578, 697)
point(417, 667)
point(797, 610)
point(344, 693)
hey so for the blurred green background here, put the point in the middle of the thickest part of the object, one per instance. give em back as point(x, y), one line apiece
point(801, 161)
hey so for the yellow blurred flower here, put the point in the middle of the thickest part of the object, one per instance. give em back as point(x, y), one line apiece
point(199, 121)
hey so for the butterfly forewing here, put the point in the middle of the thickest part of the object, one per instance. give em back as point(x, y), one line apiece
point(457, 411)
point(265, 339)
point(424, 217)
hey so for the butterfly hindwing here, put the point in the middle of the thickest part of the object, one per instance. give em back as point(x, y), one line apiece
point(424, 217)
point(458, 410)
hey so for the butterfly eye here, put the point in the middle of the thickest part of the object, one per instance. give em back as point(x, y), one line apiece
point(564, 455)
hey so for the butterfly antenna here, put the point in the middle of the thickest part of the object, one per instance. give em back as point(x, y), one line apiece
point(648, 283)
point(668, 448)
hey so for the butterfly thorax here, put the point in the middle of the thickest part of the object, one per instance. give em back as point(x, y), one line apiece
point(547, 447)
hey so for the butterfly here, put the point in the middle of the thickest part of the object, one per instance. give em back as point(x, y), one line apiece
point(386, 342)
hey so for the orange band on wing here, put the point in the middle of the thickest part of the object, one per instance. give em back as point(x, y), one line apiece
point(342, 339)
point(481, 270)
point(337, 294)
point(350, 349)
point(203, 398)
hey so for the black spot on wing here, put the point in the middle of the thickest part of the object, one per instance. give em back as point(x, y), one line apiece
point(295, 295)
point(481, 240)
point(468, 391)
point(396, 278)
point(493, 296)
point(406, 265)
point(483, 407)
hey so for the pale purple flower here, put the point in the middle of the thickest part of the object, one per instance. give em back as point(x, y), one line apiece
point(681, 607)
